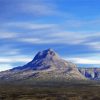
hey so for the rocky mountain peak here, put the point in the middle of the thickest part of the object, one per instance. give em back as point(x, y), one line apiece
point(46, 65)
point(48, 53)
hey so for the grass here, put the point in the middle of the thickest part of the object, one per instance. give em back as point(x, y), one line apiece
point(49, 91)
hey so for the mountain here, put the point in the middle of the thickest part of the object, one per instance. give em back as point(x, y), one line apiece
point(91, 73)
point(46, 65)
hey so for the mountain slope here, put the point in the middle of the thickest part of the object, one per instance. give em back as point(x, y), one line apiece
point(46, 65)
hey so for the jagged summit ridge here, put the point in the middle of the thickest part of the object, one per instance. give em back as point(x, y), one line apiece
point(49, 53)
point(43, 60)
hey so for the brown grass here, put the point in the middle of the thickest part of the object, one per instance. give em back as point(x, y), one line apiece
point(46, 92)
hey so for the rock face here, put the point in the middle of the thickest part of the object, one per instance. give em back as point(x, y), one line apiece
point(46, 65)
point(91, 73)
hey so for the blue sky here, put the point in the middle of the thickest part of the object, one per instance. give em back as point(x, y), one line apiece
point(70, 27)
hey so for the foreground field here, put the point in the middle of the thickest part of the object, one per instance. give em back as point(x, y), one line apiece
point(62, 91)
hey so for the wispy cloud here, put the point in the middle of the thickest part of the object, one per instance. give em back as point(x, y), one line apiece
point(30, 40)
point(8, 62)
point(8, 35)
point(7, 49)
point(94, 45)
point(38, 8)
point(50, 34)
point(77, 23)
point(84, 60)
point(57, 38)
point(49, 41)
point(28, 25)
point(4, 67)
point(15, 59)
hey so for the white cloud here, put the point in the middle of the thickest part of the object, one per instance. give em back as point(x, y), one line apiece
point(9, 62)
point(7, 49)
point(28, 25)
point(4, 67)
point(38, 8)
point(79, 23)
point(50, 33)
point(15, 59)
point(42, 41)
point(62, 37)
point(30, 40)
point(93, 45)
point(84, 60)
point(8, 35)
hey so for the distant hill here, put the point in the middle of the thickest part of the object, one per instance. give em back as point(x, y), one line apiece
point(46, 65)
point(91, 73)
